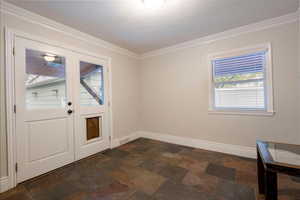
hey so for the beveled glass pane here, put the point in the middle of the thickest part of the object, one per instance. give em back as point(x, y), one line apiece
point(45, 83)
point(93, 127)
point(91, 84)
point(285, 153)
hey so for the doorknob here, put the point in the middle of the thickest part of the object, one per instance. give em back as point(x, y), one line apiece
point(70, 112)
point(69, 103)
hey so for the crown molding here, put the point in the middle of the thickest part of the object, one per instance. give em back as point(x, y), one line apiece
point(262, 25)
point(34, 18)
point(31, 17)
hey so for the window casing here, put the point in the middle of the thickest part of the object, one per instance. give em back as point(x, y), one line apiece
point(241, 81)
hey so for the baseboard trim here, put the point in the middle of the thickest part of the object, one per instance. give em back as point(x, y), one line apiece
point(4, 184)
point(238, 150)
point(123, 140)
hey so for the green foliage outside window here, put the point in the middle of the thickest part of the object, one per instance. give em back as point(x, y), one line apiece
point(235, 80)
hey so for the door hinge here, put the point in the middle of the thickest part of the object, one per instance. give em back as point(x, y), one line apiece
point(109, 138)
point(14, 51)
point(16, 167)
point(108, 103)
point(15, 109)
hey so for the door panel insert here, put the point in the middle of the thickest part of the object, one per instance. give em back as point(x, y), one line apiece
point(93, 127)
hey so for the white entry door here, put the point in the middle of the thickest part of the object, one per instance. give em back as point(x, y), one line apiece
point(44, 128)
point(91, 118)
point(61, 113)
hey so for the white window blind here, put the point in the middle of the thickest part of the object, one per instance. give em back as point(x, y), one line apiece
point(239, 82)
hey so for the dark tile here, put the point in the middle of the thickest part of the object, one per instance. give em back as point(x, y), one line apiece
point(142, 141)
point(221, 171)
point(193, 165)
point(247, 178)
point(58, 191)
point(138, 178)
point(17, 196)
point(172, 148)
point(171, 190)
point(79, 195)
point(93, 182)
point(186, 148)
point(128, 147)
point(203, 155)
point(145, 180)
point(203, 182)
point(116, 153)
point(42, 182)
point(114, 190)
point(140, 148)
point(173, 172)
point(140, 196)
point(133, 159)
point(153, 170)
point(232, 191)
point(169, 158)
point(246, 165)
point(108, 166)
point(152, 165)
point(17, 191)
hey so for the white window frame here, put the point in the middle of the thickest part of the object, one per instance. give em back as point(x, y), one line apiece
point(268, 83)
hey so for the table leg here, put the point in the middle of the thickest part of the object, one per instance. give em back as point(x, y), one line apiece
point(271, 185)
point(260, 174)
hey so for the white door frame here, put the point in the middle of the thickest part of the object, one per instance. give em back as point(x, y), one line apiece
point(10, 35)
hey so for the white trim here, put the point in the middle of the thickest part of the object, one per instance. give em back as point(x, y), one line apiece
point(10, 34)
point(4, 184)
point(53, 25)
point(240, 113)
point(269, 23)
point(10, 101)
point(239, 51)
point(56, 44)
point(268, 80)
point(123, 140)
point(110, 104)
point(238, 150)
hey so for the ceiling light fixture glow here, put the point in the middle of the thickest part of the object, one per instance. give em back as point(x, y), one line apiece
point(49, 58)
point(154, 4)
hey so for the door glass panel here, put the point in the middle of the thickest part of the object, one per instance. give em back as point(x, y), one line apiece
point(91, 84)
point(45, 83)
point(93, 128)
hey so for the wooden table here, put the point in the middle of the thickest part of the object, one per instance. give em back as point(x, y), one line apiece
point(273, 158)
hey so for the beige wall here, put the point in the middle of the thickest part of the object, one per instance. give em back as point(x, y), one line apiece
point(174, 91)
point(169, 93)
point(125, 85)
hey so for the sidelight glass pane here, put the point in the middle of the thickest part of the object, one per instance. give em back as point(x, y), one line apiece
point(45, 82)
point(93, 128)
point(91, 84)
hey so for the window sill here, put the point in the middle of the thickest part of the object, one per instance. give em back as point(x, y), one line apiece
point(251, 113)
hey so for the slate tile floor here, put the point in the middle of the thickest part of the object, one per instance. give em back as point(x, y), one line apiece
point(152, 170)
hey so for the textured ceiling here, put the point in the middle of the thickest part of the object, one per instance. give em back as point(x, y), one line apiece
point(129, 24)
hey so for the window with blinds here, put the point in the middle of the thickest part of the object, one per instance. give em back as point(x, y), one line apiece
point(239, 82)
